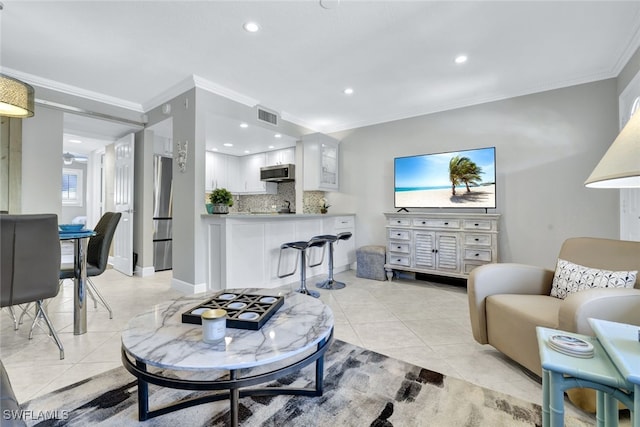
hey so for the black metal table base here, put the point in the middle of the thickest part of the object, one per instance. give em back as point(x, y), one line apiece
point(232, 389)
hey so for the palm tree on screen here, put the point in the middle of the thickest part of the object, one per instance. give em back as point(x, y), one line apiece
point(462, 169)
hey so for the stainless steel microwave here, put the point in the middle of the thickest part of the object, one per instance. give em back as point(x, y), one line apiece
point(278, 173)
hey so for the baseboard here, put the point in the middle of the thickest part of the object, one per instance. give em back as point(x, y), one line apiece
point(187, 288)
point(144, 271)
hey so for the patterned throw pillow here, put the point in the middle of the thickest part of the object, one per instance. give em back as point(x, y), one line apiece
point(570, 278)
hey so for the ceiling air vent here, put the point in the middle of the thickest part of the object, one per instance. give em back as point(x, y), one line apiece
point(267, 116)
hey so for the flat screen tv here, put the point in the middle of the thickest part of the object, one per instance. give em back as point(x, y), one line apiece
point(456, 179)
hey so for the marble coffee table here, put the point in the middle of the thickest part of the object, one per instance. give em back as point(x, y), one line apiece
point(298, 334)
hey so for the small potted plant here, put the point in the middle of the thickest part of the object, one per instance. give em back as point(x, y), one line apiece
point(221, 199)
point(324, 206)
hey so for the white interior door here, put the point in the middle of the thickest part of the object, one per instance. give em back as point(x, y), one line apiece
point(123, 201)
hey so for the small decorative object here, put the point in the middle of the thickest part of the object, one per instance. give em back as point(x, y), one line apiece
point(243, 311)
point(182, 156)
point(221, 199)
point(214, 325)
point(324, 206)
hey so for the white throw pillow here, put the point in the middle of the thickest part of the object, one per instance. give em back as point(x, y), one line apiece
point(570, 277)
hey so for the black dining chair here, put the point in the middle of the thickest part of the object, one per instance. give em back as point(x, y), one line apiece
point(98, 255)
point(29, 264)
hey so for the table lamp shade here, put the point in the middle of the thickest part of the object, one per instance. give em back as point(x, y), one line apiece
point(16, 98)
point(620, 165)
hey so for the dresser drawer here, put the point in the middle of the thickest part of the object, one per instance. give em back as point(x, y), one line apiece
point(477, 239)
point(399, 247)
point(343, 222)
point(481, 224)
point(399, 260)
point(477, 254)
point(436, 223)
point(399, 235)
point(402, 222)
point(468, 266)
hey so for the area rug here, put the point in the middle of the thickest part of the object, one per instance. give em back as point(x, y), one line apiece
point(362, 388)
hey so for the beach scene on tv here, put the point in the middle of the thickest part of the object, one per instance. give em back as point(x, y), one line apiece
point(460, 179)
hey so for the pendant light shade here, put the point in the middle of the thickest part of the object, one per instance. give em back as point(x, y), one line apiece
point(16, 98)
point(620, 165)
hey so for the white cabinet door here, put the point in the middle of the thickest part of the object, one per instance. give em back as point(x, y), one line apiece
point(344, 252)
point(209, 165)
point(220, 179)
point(250, 166)
point(321, 163)
point(234, 182)
point(281, 157)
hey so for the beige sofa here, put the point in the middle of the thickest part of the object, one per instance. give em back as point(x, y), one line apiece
point(507, 301)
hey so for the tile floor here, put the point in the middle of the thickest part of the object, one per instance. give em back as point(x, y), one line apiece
point(421, 322)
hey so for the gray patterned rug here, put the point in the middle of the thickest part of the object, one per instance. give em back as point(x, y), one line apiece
point(362, 388)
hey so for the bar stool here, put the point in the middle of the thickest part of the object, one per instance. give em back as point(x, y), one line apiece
point(301, 247)
point(330, 283)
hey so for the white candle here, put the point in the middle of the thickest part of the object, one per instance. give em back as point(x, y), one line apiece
point(214, 325)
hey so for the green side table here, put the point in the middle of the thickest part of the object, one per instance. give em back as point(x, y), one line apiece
point(621, 342)
point(561, 372)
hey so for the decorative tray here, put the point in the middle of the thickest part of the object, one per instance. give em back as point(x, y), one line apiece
point(244, 311)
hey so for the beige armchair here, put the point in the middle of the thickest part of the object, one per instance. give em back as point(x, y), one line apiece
point(507, 301)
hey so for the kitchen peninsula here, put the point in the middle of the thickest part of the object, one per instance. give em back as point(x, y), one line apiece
point(243, 249)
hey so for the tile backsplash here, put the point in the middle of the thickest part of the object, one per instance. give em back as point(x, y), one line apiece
point(312, 200)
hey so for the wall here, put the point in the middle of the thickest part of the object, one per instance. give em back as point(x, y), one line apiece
point(42, 162)
point(546, 144)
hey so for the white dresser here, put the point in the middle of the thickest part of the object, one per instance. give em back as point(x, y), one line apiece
point(446, 244)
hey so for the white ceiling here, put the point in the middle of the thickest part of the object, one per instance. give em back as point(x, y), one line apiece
point(397, 56)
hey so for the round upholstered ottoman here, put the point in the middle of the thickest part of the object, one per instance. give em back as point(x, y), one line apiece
point(370, 261)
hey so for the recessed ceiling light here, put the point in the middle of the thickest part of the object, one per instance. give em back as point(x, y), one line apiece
point(251, 27)
point(461, 59)
point(271, 147)
point(244, 125)
point(277, 135)
point(228, 144)
point(246, 151)
point(215, 149)
point(75, 141)
point(348, 91)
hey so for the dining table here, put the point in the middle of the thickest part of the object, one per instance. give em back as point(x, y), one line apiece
point(80, 240)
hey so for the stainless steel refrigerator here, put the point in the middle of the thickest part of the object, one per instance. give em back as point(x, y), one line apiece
point(162, 212)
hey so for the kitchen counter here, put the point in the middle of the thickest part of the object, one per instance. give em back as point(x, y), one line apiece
point(244, 215)
point(243, 249)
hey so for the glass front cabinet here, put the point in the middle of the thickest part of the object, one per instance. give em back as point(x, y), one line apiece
point(321, 163)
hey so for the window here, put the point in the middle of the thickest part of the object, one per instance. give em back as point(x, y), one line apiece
point(72, 187)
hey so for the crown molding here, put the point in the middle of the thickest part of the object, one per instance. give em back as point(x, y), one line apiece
point(469, 102)
point(194, 81)
point(73, 90)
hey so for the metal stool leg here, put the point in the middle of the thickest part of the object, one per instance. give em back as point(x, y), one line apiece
point(303, 276)
point(330, 283)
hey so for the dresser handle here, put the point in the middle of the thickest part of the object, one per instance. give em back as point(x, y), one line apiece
point(476, 239)
point(477, 254)
point(446, 223)
point(424, 222)
point(476, 224)
point(399, 247)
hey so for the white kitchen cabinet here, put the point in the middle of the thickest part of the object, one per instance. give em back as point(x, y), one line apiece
point(222, 171)
point(321, 162)
point(250, 182)
point(344, 251)
point(448, 244)
point(281, 157)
